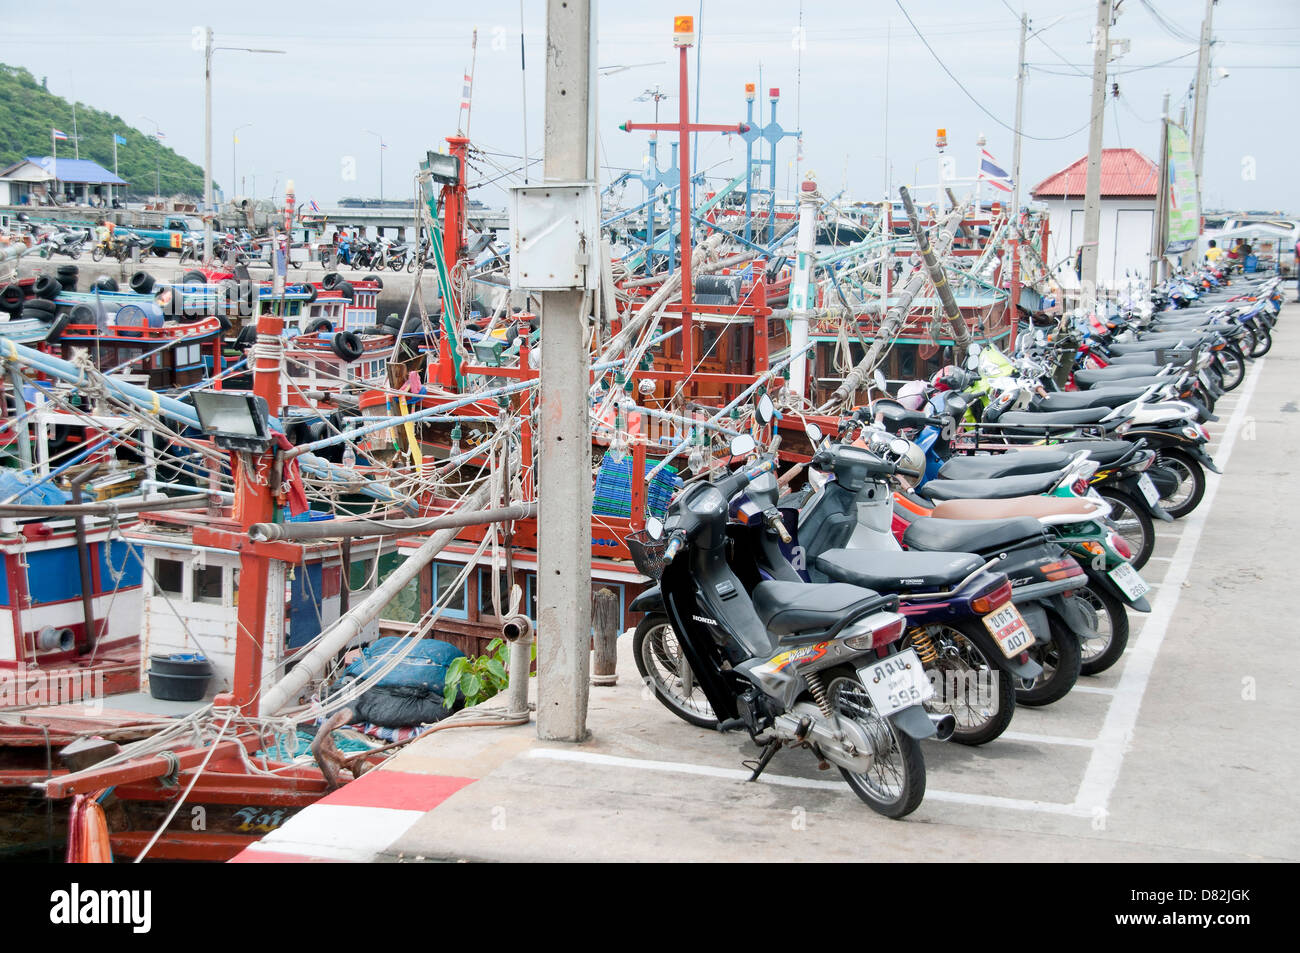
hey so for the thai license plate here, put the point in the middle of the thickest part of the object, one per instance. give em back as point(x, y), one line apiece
point(896, 682)
point(1148, 489)
point(1008, 628)
point(1129, 581)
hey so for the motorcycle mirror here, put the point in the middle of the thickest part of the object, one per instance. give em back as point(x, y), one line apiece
point(655, 528)
point(881, 383)
point(765, 410)
point(814, 434)
point(742, 445)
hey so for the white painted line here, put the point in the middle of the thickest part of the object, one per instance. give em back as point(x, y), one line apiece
point(1092, 689)
point(1102, 773)
point(736, 774)
point(1048, 739)
point(1163, 559)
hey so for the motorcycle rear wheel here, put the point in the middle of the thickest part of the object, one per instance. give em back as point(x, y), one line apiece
point(1060, 660)
point(1133, 523)
point(666, 672)
point(1104, 650)
point(1191, 483)
point(894, 786)
point(965, 651)
point(1263, 342)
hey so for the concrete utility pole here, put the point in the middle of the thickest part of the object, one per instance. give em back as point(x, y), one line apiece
point(801, 285)
point(1020, 104)
point(1092, 194)
point(1202, 90)
point(564, 459)
point(1161, 237)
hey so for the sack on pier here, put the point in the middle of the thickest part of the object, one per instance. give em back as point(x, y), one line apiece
point(401, 706)
point(424, 667)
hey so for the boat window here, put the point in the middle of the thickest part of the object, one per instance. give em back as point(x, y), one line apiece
point(445, 578)
point(485, 607)
point(169, 576)
point(207, 583)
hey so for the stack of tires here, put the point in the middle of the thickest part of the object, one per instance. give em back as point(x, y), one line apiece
point(68, 277)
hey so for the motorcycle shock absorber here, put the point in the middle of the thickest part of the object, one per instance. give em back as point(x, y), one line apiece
point(924, 645)
point(818, 690)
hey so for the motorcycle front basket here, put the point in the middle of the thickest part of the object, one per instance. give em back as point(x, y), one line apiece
point(647, 553)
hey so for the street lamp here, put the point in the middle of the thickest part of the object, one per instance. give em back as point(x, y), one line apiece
point(208, 50)
point(157, 182)
point(382, 147)
point(234, 177)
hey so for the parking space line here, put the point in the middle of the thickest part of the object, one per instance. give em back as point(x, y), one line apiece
point(1092, 689)
point(1103, 770)
point(1049, 739)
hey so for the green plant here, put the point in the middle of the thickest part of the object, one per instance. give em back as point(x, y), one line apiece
point(480, 677)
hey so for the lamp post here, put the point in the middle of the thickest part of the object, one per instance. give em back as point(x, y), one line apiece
point(382, 147)
point(234, 167)
point(157, 156)
point(208, 50)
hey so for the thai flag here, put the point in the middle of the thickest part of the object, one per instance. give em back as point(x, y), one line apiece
point(464, 96)
point(58, 135)
point(993, 174)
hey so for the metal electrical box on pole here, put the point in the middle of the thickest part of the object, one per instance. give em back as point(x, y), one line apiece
point(556, 241)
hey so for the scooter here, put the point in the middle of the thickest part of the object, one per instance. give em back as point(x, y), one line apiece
point(792, 664)
point(961, 621)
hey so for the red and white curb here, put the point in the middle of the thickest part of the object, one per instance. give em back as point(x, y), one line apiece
point(356, 822)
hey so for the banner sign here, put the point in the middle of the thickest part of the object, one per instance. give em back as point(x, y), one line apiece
point(1182, 212)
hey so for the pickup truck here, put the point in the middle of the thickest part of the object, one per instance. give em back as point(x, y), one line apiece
point(171, 237)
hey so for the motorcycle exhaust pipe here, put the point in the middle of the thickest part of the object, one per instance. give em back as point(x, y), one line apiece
point(944, 725)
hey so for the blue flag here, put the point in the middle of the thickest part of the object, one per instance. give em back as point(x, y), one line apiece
point(119, 140)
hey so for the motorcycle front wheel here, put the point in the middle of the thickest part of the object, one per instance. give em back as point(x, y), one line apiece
point(665, 671)
point(1132, 522)
point(1186, 496)
point(97, 254)
point(894, 785)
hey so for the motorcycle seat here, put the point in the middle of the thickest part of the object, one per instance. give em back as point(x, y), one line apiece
point(1029, 418)
point(786, 608)
point(1106, 453)
point(898, 571)
point(1033, 506)
point(992, 466)
point(1116, 372)
point(1080, 399)
point(948, 536)
point(1027, 485)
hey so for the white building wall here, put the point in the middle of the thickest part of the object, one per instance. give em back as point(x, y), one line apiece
point(1123, 243)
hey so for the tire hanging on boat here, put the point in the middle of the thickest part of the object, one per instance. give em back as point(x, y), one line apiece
point(346, 345)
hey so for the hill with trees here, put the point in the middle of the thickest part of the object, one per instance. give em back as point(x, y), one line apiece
point(28, 111)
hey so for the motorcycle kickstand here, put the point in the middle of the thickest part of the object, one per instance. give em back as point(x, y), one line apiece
point(769, 751)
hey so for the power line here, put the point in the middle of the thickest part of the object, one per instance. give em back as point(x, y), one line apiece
point(972, 98)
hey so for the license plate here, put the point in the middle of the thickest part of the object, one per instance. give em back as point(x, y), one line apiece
point(1008, 628)
point(896, 682)
point(1148, 489)
point(1129, 581)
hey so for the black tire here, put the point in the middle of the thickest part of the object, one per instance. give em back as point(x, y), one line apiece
point(56, 327)
point(310, 290)
point(1263, 342)
point(82, 314)
point(142, 283)
point(347, 346)
point(1101, 652)
point(376, 279)
point(666, 673)
point(46, 287)
point(378, 263)
point(1133, 522)
point(345, 289)
point(330, 280)
point(11, 298)
point(43, 305)
point(966, 648)
point(45, 317)
point(97, 253)
point(1191, 482)
point(902, 759)
point(194, 278)
point(161, 252)
point(1060, 660)
point(410, 266)
point(316, 325)
point(1231, 365)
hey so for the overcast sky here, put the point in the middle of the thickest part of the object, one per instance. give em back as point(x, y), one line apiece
point(395, 69)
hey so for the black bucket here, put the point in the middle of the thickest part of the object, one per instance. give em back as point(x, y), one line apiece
point(179, 678)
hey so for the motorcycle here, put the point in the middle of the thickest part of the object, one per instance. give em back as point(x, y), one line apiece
point(793, 664)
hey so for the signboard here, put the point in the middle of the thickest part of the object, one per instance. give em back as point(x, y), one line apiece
point(1181, 213)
